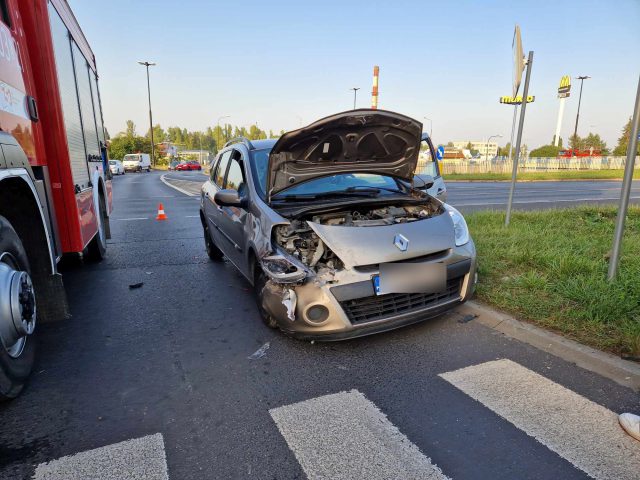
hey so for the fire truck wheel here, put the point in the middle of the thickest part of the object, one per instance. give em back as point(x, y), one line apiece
point(16, 360)
point(97, 248)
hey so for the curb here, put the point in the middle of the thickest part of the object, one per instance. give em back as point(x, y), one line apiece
point(170, 185)
point(621, 371)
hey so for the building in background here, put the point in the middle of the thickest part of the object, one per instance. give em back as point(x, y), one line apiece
point(203, 157)
point(484, 149)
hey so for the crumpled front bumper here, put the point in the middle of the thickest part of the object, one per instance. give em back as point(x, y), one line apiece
point(291, 305)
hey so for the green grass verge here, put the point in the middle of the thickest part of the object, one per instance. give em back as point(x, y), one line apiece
point(549, 267)
point(560, 175)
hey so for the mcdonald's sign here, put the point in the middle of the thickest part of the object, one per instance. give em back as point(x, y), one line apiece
point(516, 100)
point(565, 87)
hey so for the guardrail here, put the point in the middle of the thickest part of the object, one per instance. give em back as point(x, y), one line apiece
point(540, 164)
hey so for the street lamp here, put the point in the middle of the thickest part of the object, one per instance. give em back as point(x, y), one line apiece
point(488, 140)
point(575, 130)
point(355, 93)
point(218, 140)
point(153, 156)
point(430, 126)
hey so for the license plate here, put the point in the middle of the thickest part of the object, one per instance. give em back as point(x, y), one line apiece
point(410, 278)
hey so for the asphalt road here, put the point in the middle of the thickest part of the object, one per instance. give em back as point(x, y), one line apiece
point(179, 379)
point(472, 196)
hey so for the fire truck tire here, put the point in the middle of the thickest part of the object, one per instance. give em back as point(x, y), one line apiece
point(97, 248)
point(14, 370)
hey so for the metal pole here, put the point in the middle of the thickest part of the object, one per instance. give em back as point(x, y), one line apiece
point(514, 172)
point(153, 156)
point(355, 93)
point(575, 130)
point(513, 129)
point(556, 138)
point(632, 148)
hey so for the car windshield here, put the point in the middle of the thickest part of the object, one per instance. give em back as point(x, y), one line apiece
point(131, 158)
point(112, 162)
point(328, 184)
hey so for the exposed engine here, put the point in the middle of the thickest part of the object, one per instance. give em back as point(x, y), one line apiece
point(300, 241)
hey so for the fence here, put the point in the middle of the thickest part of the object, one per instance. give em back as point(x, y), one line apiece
point(540, 164)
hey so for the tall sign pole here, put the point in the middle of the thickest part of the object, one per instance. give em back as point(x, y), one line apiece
point(563, 93)
point(153, 156)
point(374, 90)
point(523, 109)
point(513, 130)
point(632, 148)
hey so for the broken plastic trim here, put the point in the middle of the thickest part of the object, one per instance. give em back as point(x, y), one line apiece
point(283, 269)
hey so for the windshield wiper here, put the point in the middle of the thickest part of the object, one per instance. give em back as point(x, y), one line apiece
point(365, 188)
point(337, 193)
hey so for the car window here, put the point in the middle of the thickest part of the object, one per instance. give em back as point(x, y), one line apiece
point(427, 165)
point(221, 169)
point(235, 176)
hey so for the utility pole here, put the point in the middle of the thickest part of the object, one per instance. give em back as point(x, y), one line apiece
point(355, 93)
point(632, 148)
point(218, 146)
point(430, 127)
point(153, 155)
point(575, 130)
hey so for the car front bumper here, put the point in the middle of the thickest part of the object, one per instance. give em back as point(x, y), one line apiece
point(353, 308)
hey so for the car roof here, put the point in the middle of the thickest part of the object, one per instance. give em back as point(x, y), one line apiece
point(262, 144)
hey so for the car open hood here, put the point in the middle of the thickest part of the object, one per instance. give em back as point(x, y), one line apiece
point(373, 141)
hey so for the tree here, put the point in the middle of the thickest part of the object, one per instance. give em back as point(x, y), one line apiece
point(623, 141)
point(504, 151)
point(594, 141)
point(545, 151)
point(130, 131)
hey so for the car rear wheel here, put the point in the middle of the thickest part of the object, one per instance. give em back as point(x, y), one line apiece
point(97, 248)
point(17, 314)
point(259, 284)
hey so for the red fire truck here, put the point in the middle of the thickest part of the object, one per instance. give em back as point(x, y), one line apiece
point(55, 188)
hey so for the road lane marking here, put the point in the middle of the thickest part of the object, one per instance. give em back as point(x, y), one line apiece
point(590, 199)
point(133, 218)
point(163, 180)
point(192, 216)
point(345, 436)
point(136, 459)
point(579, 430)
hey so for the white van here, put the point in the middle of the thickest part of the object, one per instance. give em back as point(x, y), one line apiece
point(137, 162)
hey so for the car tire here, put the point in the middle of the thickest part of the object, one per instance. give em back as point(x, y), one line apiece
point(213, 251)
point(97, 248)
point(258, 286)
point(14, 369)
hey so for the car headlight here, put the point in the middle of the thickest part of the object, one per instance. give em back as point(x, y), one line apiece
point(459, 226)
point(282, 268)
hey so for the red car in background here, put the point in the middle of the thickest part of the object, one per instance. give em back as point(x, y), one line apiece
point(188, 166)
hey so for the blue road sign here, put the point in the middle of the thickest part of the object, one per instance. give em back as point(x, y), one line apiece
point(440, 152)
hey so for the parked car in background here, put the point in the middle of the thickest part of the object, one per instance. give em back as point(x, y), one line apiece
point(188, 166)
point(116, 167)
point(137, 162)
point(173, 164)
point(329, 225)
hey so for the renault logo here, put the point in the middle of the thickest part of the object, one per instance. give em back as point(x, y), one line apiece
point(401, 242)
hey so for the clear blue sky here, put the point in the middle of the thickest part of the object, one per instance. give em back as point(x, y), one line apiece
point(276, 62)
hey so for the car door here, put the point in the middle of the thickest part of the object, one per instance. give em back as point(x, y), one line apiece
point(212, 212)
point(428, 165)
point(232, 219)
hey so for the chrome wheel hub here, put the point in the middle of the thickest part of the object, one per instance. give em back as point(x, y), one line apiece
point(17, 306)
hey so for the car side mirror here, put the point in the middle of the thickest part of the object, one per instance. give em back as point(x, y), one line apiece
point(230, 198)
point(422, 182)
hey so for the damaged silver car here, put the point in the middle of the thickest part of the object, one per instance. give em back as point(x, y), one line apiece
point(338, 235)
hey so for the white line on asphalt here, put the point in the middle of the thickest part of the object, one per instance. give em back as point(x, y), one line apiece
point(590, 199)
point(127, 219)
point(579, 430)
point(163, 180)
point(137, 459)
point(345, 436)
point(192, 216)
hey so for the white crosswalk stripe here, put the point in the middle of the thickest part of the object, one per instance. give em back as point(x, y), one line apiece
point(581, 431)
point(345, 436)
point(137, 459)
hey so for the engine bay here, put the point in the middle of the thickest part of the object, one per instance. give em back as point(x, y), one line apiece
point(299, 240)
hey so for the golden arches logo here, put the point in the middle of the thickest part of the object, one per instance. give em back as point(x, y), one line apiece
point(565, 84)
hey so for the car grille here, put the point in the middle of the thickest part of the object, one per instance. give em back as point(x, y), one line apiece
point(378, 307)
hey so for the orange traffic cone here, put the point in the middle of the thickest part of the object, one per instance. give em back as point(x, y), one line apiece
point(161, 215)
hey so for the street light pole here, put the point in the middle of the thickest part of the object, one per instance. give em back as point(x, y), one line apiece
point(153, 152)
point(430, 126)
point(355, 93)
point(489, 140)
point(218, 139)
point(575, 130)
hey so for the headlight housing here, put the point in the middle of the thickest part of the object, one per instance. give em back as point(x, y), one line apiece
point(282, 268)
point(459, 226)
